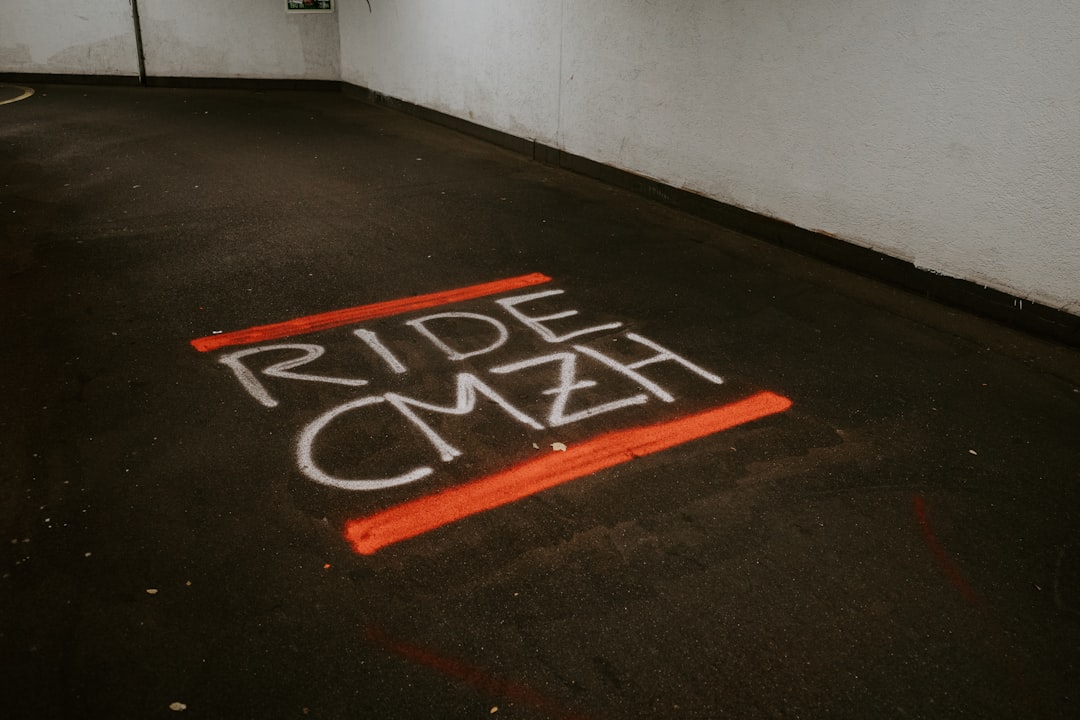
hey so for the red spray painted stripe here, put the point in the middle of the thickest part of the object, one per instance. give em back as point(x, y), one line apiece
point(336, 318)
point(473, 676)
point(400, 522)
point(950, 568)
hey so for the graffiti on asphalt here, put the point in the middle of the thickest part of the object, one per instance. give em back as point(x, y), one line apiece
point(568, 363)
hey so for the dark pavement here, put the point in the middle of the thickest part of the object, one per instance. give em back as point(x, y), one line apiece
point(902, 541)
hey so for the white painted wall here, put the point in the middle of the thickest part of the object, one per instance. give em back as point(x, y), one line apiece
point(946, 133)
point(238, 39)
point(67, 36)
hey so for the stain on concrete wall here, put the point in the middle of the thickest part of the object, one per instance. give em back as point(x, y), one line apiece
point(68, 37)
point(15, 55)
point(111, 56)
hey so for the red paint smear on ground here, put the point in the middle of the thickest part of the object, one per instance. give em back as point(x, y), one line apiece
point(337, 318)
point(472, 676)
point(416, 517)
point(950, 568)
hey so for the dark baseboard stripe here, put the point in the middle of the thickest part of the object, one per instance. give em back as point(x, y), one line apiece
point(65, 79)
point(1016, 312)
point(216, 83)
point(211, 83)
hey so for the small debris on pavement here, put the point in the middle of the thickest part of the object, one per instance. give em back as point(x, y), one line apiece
point(177, 707)
point(558, 446)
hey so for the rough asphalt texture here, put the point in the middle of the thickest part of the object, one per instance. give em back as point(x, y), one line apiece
point(902, 542)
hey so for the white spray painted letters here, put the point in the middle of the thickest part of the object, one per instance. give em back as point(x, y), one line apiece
point(570, 392)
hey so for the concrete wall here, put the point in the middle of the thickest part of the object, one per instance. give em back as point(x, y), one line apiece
point(67, 36)
point(238, 39)
point(943, 133)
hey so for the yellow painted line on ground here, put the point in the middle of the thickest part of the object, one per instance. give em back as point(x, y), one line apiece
point(26, 92)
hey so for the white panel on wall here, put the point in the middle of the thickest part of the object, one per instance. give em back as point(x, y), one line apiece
point(68, 37)
point(238, 39)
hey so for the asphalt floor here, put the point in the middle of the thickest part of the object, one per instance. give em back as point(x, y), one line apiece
point(314, 409)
